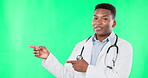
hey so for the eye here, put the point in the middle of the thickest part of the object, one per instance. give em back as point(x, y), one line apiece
point(104, 18)
point(95, 18)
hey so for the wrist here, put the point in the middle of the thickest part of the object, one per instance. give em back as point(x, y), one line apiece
point(48, 53)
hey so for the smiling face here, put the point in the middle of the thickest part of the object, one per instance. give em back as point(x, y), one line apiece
point(103, 22)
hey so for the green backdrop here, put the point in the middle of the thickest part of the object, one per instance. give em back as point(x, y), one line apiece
point(59, 25)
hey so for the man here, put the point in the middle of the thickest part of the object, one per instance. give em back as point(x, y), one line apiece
point(104, 54)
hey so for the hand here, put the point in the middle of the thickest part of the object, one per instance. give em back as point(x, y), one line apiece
point(80, 65)
point(40, 52)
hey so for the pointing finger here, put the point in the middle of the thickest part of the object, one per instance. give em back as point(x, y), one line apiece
point(35, 47)
point(71, 62)
point(31, 46)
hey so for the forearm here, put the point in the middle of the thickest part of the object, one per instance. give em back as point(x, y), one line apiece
point(56, 68)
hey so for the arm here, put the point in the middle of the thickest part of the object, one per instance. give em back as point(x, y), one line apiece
point(52, 64)
point(56, 68)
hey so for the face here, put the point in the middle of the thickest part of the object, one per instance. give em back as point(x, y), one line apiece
point(103, 22)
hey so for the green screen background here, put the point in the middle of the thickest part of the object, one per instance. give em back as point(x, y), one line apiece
point(59, 25)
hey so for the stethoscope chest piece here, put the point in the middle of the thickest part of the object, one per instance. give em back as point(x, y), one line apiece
point(79, 57)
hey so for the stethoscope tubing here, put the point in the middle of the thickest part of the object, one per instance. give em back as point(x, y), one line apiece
point(80, 57)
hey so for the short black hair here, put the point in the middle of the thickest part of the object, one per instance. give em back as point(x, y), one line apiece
point(107, 6)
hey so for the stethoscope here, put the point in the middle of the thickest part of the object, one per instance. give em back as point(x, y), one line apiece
point(80, 57)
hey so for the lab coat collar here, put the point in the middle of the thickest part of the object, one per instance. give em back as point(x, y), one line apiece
point(110, 38)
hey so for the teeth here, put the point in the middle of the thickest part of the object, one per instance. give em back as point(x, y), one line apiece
point(97, 28)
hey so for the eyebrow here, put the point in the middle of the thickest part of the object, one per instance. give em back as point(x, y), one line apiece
point(103, 15)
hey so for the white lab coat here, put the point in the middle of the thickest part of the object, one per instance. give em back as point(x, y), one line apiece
point(120, 70)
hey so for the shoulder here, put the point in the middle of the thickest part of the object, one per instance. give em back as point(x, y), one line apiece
point(81, 42)
point(123, 42)
point(124, 45)
point(87, 40)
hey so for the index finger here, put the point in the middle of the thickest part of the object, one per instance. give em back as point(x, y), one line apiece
point(71, 62)
point(32, 46)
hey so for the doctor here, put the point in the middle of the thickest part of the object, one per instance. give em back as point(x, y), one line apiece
point(103, 55)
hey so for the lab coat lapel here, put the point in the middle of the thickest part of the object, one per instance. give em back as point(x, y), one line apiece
point(87, 50)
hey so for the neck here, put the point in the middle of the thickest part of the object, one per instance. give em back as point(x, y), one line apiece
point(102, 37)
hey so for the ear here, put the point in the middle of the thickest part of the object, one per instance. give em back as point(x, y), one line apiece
point(114, 24)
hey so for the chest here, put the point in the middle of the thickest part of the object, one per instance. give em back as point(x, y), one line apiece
point(103, 58)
